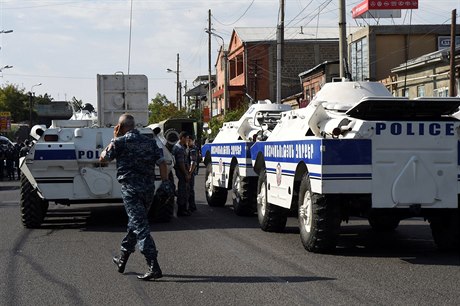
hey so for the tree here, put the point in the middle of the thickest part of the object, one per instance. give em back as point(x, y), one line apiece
point(161, 109)
point(42, 99)
point(15, 101)
point(233, 115)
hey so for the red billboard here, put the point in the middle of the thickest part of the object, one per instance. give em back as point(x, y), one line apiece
point(5, 121)
point(370, 5)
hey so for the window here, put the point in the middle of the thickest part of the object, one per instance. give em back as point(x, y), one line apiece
point(360, 60)
point(405, 93)
point(441, 92)
point(421, 91)
point(307, 94)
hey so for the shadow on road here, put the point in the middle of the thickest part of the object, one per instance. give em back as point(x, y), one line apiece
point(178, 278)
point(409, 242)
point(112, 218)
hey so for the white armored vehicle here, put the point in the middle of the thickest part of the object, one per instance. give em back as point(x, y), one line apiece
point(228, 159)
point(63, 164)
point(357, 151)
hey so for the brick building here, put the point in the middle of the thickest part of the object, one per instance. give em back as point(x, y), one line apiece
point(312, 80)
point(252, 62)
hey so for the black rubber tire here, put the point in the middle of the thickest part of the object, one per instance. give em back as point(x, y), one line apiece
point(33, 208)
point(272, 218)
point(319, 219)
point(215, 196)
point(243, 194)
point(383, 223)
point(446, 231)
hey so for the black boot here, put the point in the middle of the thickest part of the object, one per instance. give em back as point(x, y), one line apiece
point(121, 261)
point(153, 272)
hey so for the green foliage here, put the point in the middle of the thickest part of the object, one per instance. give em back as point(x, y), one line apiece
point(217, 122)
point(15, 101)
point(45, 99)
point(235, 114)
point(161, 109)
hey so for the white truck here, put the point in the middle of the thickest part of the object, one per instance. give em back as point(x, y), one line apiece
point(63, 164)
point(228, 159)
point(355, 150)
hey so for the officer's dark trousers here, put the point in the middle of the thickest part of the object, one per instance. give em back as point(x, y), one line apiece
point(191, 195)
point(137, 200)
point(183, 189)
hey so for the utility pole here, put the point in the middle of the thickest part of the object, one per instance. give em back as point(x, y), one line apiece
point(279, 53)
point(31, 99)
point(452, 54)
point(186, 103)
point(226, 97)
point(178, 97)
point(209, 65)
point(342, 38)
point(256, 78)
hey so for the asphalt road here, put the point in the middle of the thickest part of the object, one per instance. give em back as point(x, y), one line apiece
point(215, 258)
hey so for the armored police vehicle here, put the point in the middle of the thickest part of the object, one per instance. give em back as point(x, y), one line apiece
point(63, 164)
point(228, 159)
point(357, 151)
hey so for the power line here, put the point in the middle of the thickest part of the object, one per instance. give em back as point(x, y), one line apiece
point(239, 18)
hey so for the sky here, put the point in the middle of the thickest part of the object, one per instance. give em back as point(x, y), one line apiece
point(64, 44)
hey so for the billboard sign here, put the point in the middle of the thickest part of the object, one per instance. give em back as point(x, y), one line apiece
point(5, 121)
point(376, 8)
point(444, 42)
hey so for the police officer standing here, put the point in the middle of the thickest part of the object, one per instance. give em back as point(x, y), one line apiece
point(136, 157)
point(182, 172)
point(192, 156)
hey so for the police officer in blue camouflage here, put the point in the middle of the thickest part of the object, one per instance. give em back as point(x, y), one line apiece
point(182, 172)
point(192, 157)
point(136, 156)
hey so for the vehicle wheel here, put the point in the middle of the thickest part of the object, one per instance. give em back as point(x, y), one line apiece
point(272, 218)
point(383, 223)
point(244, 194)
point(446, 231)
point(215, 196)
point(33, 208)
point(319, 219)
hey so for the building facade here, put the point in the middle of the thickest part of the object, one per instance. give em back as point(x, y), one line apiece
point(312, 80)
point(252, 61)
point(375, 50)
point(425, 76)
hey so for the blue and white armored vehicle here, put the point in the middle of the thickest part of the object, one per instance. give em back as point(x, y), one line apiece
point(357, 151)
point(63, 164)
point(228, 159)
